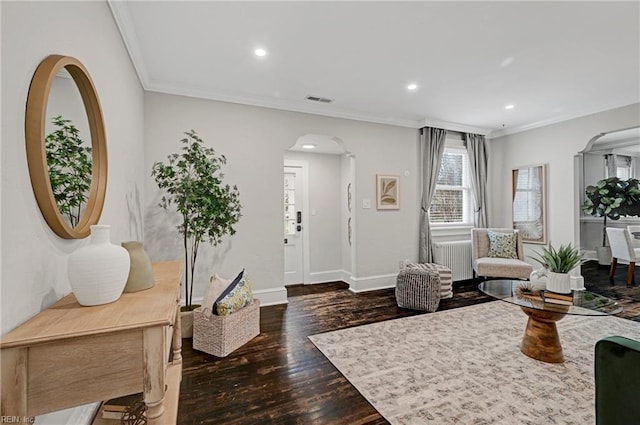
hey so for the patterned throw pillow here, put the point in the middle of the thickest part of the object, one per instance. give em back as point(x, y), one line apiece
point(502, 245)
point(230, 286)
point(239, 296)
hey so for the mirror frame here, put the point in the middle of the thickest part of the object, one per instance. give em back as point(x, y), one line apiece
point(543, 200)
point(35, 121)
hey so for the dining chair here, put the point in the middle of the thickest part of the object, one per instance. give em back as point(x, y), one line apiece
point(622, 249)
point(634, 229)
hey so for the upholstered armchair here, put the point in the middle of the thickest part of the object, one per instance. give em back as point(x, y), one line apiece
point(491, 259)
point(622, 249)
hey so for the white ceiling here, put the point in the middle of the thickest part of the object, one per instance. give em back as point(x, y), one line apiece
point(552, 60)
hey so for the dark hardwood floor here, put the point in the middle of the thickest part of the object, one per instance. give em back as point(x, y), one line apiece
point(281, 378)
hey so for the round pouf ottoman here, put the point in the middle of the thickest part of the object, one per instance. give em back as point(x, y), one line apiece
point(418, 289)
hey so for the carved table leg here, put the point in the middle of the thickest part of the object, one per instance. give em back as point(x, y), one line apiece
point(541, 340)
point(154, 373)
point(177, 338)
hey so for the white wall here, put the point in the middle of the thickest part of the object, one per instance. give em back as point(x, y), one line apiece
point(325, 204)
point(555, 145)
point(253, 140)
point(34, 259)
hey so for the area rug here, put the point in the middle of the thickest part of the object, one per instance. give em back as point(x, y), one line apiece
point(464, 366)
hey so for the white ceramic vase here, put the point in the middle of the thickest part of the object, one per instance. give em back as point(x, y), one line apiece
point(538, 279)
point(559, 282)
point(98, 271)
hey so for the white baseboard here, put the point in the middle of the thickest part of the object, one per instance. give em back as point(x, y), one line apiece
point(327, 276)
point(346, 276)
point(590, 255)
point(371, 283)
point(271, 296)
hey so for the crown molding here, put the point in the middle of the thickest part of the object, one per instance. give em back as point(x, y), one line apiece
point(122, 18)
point(292, 106)
point(582, 113)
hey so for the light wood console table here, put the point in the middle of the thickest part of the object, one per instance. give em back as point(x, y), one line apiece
point(69, 355)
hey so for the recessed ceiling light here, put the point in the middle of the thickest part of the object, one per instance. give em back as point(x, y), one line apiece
point(260, 52)
point(506, 62)
point(308, 146)
point(509, 106)
point(412, 86)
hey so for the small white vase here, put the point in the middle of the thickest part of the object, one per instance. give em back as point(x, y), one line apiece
point(98, 271)
point(559, 282)
point(538, 279)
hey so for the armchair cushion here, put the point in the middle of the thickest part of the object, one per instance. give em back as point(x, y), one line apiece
point(503, 267)
point(502, 245)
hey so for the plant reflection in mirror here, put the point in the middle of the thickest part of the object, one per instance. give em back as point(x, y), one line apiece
point(69, 162)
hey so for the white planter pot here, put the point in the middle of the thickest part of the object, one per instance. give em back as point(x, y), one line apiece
point(98, 271)
point(559, 282)
point(604, 255)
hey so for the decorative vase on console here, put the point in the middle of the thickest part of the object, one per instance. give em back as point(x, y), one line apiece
point(98, 272)
point(140, 271)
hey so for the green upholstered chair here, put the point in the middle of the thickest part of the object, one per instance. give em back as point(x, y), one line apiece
point(617, 376)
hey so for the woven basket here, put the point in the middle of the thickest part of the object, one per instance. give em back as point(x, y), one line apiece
point(220, 335)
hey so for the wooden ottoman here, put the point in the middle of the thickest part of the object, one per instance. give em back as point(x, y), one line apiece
point(220, 335)
point(418, 289)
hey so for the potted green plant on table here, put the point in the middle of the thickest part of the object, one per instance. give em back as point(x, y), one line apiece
point(558, 263)
point(611, 198)
point(69, 163)
point(192, 182)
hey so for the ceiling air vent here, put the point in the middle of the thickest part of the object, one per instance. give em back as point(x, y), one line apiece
point(319, 99)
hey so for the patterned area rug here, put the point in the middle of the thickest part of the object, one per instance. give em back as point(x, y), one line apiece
point(464, 366)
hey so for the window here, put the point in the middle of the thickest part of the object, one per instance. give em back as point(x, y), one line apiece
point(452, 203)
point(528, 209)
point(618, 166)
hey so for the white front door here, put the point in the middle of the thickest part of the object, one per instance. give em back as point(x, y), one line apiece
point(293, 226)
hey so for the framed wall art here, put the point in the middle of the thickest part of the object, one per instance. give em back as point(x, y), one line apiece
point(387, 192)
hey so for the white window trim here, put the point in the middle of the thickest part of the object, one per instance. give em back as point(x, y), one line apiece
point(468, 201)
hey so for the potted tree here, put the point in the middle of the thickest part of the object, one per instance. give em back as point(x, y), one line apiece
point(192, 181)
point(611, 198)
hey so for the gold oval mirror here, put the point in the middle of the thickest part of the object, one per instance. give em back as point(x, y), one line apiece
point(68, 177)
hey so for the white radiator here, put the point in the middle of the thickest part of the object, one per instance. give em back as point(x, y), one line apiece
point(457, 256)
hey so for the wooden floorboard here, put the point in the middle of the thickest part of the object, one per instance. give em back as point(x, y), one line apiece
point(281, 378)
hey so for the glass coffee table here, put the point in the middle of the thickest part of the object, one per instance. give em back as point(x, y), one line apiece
point(541, 340)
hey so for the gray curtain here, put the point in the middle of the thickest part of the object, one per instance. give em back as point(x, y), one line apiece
point(477, 150)
point(432, 142)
